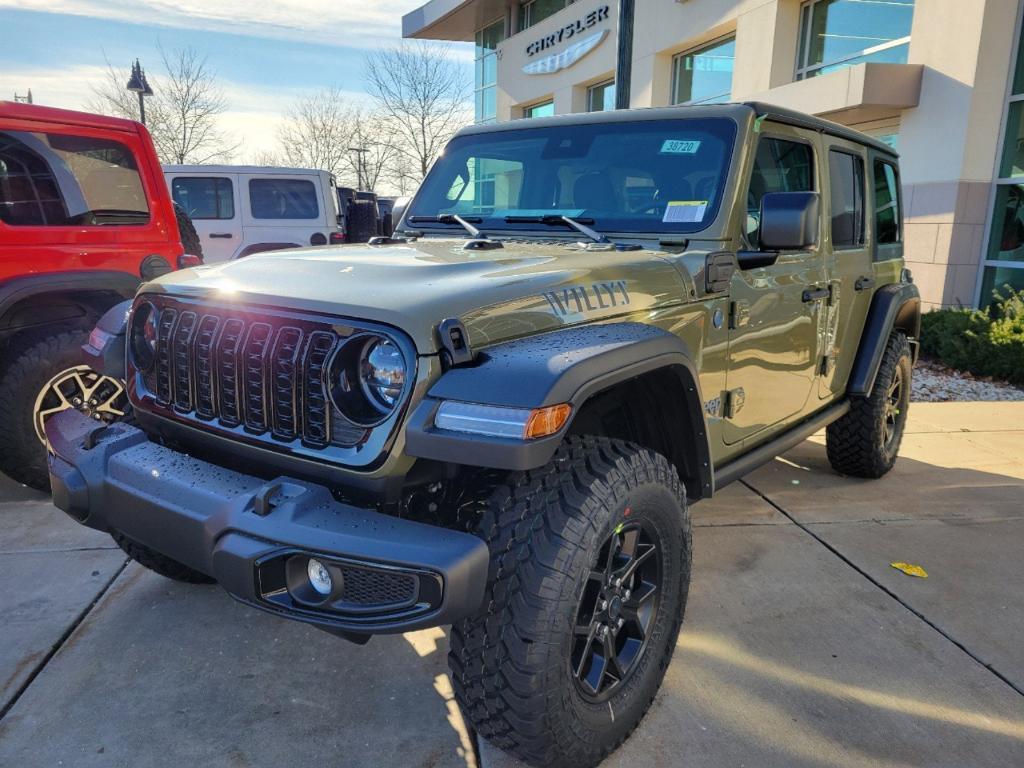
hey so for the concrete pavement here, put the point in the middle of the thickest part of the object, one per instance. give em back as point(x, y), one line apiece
point(801, 646)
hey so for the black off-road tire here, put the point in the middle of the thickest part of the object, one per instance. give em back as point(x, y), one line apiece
point(31, 364)
point(858, 444)
point(187, 232)
point(158, 563)
point(545, 529)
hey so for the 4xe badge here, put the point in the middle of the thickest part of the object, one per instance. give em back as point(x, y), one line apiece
point(587, 298)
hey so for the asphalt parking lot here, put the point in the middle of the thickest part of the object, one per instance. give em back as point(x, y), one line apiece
point(802, 646)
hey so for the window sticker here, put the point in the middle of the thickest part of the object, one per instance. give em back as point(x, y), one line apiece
point(684, 211)
point(679, 147)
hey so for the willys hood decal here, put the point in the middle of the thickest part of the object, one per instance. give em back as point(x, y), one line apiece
point(498, 294)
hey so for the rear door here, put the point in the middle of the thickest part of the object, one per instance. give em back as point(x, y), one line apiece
point(211, 200)
point(283, 210)
point(773, 337)
point(848, 263)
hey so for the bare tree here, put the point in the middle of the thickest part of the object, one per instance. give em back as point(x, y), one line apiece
point(316, 133)
point(424, 93)
point(182, 112)
point(373, 147)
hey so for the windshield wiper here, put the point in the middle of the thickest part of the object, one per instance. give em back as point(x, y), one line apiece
point(479, 242)
point(556, 219)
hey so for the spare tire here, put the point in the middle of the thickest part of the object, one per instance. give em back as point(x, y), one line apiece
point(187, 232)
point(362, 223)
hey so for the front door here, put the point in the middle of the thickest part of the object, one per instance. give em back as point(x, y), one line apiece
point(211, 201)
point(774, 328)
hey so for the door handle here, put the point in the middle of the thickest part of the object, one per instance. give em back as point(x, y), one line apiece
point(816, 294)
point(226, 235)
point(863, 283)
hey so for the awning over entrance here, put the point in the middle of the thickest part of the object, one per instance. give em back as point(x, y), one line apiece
point(451, 19)
point(853, 94)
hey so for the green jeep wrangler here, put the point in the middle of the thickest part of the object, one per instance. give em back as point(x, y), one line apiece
point(497, 417)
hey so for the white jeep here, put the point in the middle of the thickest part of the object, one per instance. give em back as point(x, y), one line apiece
point(239, 210)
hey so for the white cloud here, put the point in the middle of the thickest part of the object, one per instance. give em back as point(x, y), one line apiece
point(252, 117)
point(346, 23)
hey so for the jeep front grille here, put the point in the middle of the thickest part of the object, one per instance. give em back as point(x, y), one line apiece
point(256, 375)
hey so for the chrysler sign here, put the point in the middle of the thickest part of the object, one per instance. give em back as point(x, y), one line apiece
point(582, 43)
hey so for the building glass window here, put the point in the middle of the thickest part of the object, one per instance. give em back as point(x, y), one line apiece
point(485, 67)
point(601, 97)
point(846, 185)
point(536, 11)
point(544, 109)
point(209, 197)
point(704, 76)
point(1004, 256)
point(840, 33)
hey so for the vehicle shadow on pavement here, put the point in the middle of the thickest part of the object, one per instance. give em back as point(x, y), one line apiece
point(161, 673)
point(802, 646)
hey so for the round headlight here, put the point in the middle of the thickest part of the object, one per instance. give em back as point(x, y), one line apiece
point(382, 374)
point(144, 334)
point(368, 376)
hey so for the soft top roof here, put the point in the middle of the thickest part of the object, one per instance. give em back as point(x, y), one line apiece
point(739, 111)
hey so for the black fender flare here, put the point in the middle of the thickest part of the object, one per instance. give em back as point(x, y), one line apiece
point(564, 366)
point(19, 289)
point(897, 305)
point(105, 351)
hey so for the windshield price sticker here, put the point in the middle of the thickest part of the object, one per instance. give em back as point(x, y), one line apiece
point(679, 147)
point(685, 211)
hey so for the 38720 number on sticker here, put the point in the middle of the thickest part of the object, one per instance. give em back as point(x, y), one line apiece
point(679, 147)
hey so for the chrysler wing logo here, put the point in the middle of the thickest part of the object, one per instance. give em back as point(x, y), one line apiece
point(568, 57)
point(587, 298)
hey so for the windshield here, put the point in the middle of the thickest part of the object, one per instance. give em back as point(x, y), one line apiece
point(644, 176)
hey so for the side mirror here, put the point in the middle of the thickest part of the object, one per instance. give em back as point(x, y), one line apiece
point(398, 210)
point(789, 220)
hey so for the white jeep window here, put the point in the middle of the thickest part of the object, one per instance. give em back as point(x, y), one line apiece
point(49, 179)
point(204, 197)
point(283, 199)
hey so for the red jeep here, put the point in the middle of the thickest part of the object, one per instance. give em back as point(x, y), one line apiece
point(85, 216)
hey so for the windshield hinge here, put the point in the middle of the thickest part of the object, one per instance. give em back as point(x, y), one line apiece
point(455, 341)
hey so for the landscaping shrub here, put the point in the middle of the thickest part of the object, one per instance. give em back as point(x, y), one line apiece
point(985, 343)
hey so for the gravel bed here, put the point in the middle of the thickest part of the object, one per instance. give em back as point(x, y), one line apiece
point(935, 383)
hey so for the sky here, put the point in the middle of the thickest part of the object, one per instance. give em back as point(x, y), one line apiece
point(266, 54)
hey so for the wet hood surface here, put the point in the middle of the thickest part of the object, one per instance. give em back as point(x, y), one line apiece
point(504, 293)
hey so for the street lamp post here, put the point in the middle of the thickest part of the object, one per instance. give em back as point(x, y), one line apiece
point(360, 173)
point(137, 83)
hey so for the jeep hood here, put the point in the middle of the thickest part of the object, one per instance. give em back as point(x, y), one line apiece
point(499, 294)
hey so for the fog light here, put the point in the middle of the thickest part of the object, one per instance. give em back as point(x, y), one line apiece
point(319, 577)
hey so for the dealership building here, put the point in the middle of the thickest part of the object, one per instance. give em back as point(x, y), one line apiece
point(940, 80)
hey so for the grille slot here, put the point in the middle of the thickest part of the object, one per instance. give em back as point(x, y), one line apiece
point(315, 410)
point(227, 372)
point(206, 333)
point(181, 361)
point(284, 361)
point(163, 360)
point(254, 377)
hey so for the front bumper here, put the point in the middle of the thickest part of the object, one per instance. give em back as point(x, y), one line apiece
point(255, 537)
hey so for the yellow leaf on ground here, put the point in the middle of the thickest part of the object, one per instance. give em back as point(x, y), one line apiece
point(911, 570)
